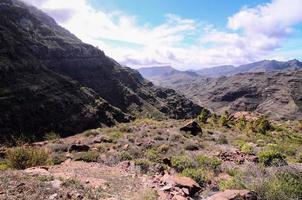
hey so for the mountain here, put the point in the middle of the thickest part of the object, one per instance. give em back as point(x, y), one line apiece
point(275, 94)
point(51, 81)
point(166, 75)
point(261, 66)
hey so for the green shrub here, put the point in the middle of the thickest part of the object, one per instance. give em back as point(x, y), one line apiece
point(271, 158)
point(203, 116)
point(224, 119)
point(58, 159)
point(299, 157)
point(208, 162)
point(241, 123)
point(282, 186)
point(246, 148)
point(181, 162)
point(25, 157)
point(232, 183)
point(89, 156)
point(3, 166)
point(213, 119)
point(124, 155)
point(116, 135)
point(152, 155)
point(262, 125)
point(51, 136)
point(198, 175)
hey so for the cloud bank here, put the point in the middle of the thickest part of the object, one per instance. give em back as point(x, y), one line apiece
point(250, 34)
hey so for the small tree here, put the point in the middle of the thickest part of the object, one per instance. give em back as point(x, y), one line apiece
point(203, 116)
point(224, 119)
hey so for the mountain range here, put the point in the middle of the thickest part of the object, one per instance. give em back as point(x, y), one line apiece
point(51, 81)
point(272, 88)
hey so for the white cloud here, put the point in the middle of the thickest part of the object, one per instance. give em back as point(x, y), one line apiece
point(252, 34)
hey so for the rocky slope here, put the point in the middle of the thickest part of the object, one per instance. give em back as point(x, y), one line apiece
point(50, 80)
point(278, 94)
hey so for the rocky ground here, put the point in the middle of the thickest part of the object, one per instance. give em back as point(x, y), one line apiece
point(149, 159)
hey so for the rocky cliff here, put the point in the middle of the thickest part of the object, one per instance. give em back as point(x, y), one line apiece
point(50, 80)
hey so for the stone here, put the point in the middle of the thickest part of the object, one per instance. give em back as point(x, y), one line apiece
point(178, 197)
point(192, 127)
point(78, 148)
point(53, 196)
point(234, 195)
point(182, 182)
point(56, 184)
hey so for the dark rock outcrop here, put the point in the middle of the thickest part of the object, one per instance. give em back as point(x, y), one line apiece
point(192, 127)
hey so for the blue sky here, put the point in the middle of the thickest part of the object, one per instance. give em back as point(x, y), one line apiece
point(184, 34)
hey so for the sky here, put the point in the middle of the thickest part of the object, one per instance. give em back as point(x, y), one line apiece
point(191, 34)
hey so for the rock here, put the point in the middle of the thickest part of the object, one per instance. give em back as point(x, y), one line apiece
point(37, 171)
point(237, 157)
point(56, 184)
point(103, 139)
point(182, 182)
point(78, 148)
point(234, 195)
point(178, 197)
point(124, 165)
point(192, 127)
point(53, 196)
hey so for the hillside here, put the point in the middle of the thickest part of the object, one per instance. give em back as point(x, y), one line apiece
point(276, 94)
point(52, 81)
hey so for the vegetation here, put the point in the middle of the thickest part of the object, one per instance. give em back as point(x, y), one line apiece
point(203, 116)
point(271, 158)
point(89, 156)
point(199, 175)
point(208, 162)
point(25, 157)
point(182, 162)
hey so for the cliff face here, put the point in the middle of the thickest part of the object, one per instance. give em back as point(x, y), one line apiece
point(50, 80)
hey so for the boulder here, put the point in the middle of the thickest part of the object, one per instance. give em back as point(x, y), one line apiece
point(192, 127)
point(182, 182)
point(78, 148)
point(234, 195)
point(178, 197)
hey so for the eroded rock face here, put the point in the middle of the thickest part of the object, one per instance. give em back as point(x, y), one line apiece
point(51, 81)
point(234, 195)
point(192, 127)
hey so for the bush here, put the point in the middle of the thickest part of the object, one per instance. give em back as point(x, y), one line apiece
point(124, 155)
point(271, 158)
point(203, 116)
point(3, 166)
point(208, 162)
point(198, 175)
point(58, 159)
point(299, 157)
point(232, 183)
point(90, 156)
point(241, 123)
point(246, 148)
point(152, 155)
point(181, 162)
point(262, 125)
point(285, 185)
point(51, 136)
point(224, 119)
point(25, 157)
